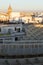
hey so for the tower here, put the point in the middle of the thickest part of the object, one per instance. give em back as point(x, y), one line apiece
point(9, 10)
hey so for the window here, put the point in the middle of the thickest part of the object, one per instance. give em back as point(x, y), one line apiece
point(23, 29)
point(9, 31)
point(16, 38)
point(17, 29)
point(1, 40)
point(0, 29)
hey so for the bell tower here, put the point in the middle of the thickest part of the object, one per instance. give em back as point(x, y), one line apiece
point(9, 10)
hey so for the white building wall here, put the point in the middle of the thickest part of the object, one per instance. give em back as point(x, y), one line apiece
point(14, 15)
point(4, 29)
point(27, 19)
point(38, 19)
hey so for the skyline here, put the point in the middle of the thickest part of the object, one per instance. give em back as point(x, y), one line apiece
point(22, 5)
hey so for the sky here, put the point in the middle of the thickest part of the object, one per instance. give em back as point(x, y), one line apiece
point(22, 5)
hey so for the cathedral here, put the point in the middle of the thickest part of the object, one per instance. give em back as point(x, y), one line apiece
point(5, 16)
point(9, 15)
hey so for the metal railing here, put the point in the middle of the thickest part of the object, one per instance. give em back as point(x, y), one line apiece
point(21, 49)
